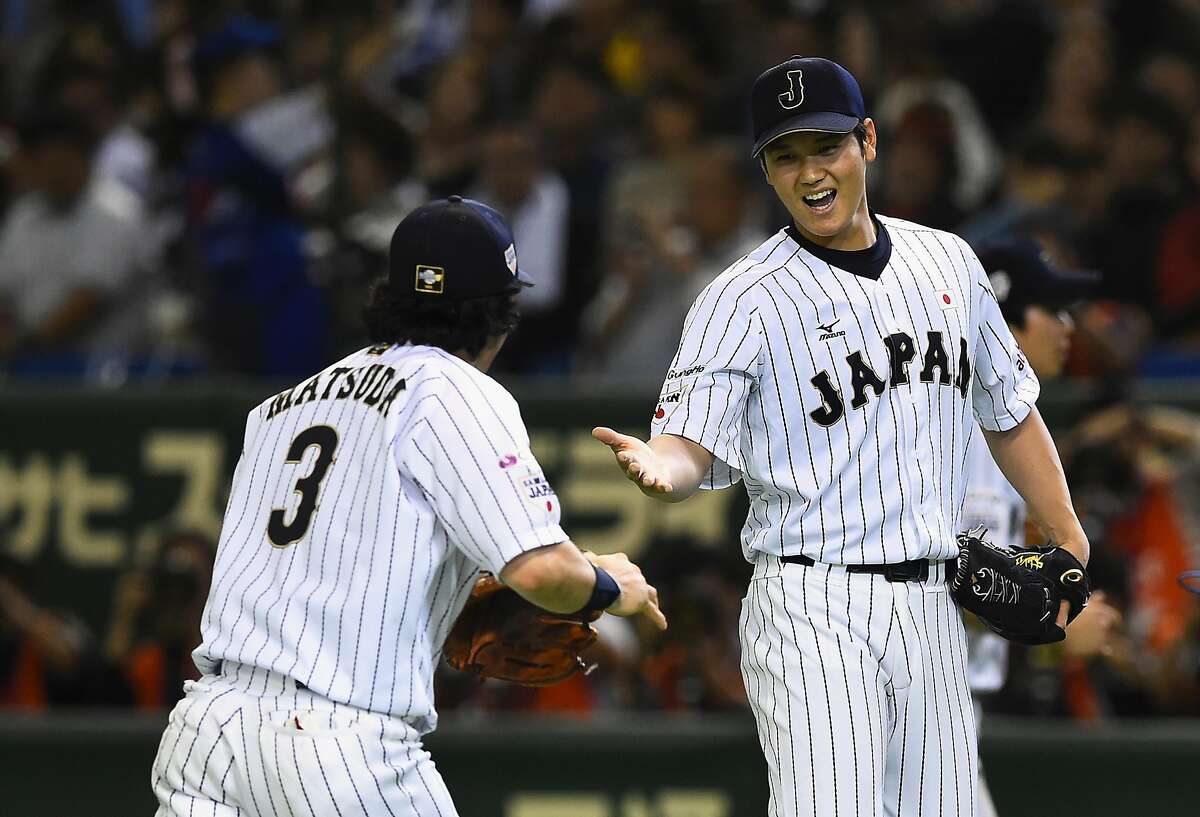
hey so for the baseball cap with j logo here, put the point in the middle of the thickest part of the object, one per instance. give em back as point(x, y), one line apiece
point(802, 94)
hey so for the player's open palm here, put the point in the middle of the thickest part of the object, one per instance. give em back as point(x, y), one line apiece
point(637, 460)
point(637, 596)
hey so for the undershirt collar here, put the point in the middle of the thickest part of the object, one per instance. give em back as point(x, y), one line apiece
point(868, 263)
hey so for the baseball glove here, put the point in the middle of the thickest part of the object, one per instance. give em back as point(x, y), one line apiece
point(500, 635)
point(1017, 592)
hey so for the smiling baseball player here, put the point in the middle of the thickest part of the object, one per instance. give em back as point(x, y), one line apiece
point(365, 503)
point(837, 371)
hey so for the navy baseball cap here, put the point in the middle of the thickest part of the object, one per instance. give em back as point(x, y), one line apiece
point(454, 249)
point(804, 93)
point(1022, 275)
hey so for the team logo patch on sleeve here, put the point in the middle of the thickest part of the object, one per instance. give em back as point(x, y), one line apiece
point(538, 492)
point(430, 280)
point(668, 401)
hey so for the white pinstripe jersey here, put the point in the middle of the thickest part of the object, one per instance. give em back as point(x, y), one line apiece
point(839, 387)
point(365, 501)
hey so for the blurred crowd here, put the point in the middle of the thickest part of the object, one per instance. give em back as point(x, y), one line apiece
point(194, 188)
point(208, 187)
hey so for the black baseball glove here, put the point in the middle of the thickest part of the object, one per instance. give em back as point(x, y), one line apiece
point(1017, 592)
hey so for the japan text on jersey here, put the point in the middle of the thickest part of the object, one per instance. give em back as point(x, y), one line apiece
point(841, 389)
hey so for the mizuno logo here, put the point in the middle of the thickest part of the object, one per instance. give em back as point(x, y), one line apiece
point(827, 331)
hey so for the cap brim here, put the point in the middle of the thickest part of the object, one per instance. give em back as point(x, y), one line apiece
point(824, 121)
point(521, 280)
point(1070, 286)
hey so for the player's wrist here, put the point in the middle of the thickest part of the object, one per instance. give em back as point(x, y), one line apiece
point(605, 593)
point(1077, 548)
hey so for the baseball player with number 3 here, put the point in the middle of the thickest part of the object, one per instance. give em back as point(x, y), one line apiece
point(837, 371)
point(366, 502)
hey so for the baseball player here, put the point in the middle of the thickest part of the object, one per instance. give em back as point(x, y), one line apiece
point(365, 503)
point(834, 371)
point(1033, 294)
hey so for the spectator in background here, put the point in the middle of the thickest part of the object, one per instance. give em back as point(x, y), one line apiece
point(155, 623)
point(380, 189)
point(999, 51)
point(99, 95)
point(1174, 75)
point(1133, 470)
point(1038, 177)
point(380, 186)
point(694, 666)
point(1177, 274)
point(493, 31)
point(537, 204)
point(70, 253)
point(48, 657)
point(661, 44)
point(1078, 81)
point(429, 31)
point(922, 168)
point(943, 111)
point(648, 295)
point(457, 107)
point(1140, 190)
point(569, 108)
point(649, 186)
point(262, 313)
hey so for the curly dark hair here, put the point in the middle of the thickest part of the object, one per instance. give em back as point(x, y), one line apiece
point(392, 317)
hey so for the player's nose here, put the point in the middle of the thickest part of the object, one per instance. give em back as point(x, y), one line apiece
point(811, 173)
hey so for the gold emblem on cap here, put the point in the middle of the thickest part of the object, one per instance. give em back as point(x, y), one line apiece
point(430, 280)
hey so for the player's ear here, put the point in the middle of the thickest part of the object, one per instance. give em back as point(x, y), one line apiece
point(869, 141)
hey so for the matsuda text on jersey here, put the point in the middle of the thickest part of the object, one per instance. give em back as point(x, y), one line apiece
point(375, 385)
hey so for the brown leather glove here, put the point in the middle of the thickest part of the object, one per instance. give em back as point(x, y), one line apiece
point(501, 635)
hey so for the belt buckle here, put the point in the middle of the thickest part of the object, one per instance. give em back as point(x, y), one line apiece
point(916, 570)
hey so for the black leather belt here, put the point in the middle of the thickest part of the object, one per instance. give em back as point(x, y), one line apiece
point(914, 570)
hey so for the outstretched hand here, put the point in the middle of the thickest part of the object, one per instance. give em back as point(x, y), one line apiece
point(637, 460)
point(637, 595)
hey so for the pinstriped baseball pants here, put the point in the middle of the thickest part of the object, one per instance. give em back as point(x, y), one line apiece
point(859, 690)
point(265, 748)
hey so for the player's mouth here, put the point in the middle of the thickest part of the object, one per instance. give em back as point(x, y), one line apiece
point(820, 202)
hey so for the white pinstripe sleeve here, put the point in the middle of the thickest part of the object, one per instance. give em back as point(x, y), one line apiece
point(704, 396)
point(469, 452)
point(1005, 387)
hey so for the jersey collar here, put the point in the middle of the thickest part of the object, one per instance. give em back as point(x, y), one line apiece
point(868, 263)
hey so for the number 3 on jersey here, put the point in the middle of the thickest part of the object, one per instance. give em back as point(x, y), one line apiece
point(325, 439)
